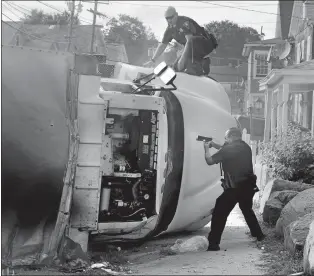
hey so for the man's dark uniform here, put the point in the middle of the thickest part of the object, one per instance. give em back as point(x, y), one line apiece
point(201, 42)
point(236, 160)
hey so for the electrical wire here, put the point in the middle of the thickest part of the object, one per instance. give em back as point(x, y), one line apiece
point(54, 8)
point(49, 6)
point(10, 10)
point(244, 9)
point(18, 7)
point(165, 6)
point(31, 35)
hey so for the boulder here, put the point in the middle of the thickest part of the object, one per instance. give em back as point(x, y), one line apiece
point(296, 232)
point(300, 205)
point(308, 252)
point(275, 204)
point(280, 185)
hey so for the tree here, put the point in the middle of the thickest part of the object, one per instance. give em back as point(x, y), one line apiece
point(231, 37)
point(132, 32)
point(41, 18)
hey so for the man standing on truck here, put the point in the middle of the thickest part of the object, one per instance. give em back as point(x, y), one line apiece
point(197, 43)
point(239, 185)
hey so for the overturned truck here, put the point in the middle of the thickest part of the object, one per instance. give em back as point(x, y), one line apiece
point(107, 159)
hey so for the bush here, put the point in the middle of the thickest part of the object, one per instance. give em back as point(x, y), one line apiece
point(290, 155)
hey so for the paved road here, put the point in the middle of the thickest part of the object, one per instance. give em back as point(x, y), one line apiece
point(239, 254)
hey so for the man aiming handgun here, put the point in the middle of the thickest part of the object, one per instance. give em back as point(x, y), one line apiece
point(239, 185)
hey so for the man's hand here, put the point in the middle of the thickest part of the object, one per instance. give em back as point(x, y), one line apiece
point(208, 157)
point(212, 144)
point(208, 145)
point(149, 64)
point(180, 65)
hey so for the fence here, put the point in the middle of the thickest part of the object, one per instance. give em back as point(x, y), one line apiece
point(253, 144)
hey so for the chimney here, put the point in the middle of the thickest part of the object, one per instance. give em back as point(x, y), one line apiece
point(308, 9)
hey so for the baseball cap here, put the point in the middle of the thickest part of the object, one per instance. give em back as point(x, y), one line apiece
point(171, 11)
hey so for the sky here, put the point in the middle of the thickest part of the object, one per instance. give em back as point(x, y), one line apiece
point(255, 14)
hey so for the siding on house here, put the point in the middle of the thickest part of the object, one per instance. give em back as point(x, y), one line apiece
point(253, 85)
point(283, 22)
point(304, 44)
point(302, 103)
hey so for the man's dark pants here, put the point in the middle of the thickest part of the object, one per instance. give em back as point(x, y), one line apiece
point(196, 49)
point(224, 205)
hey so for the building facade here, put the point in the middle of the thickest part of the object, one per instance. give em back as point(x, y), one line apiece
point(258, 68)
point(289, 91)
point(260, 62)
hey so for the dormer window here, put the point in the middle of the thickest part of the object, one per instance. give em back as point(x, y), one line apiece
point(261, 66)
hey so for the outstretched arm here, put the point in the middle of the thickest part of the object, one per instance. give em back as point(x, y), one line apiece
point(208, 157)
point(217, 156)
point(160, 49)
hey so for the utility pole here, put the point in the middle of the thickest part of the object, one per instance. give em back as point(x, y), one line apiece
point(72, 5)
point(94, 23)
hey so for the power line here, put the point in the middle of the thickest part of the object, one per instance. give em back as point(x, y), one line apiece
point(82, 20)
point(19, 17)
point(220, 6)
point(31, 35)
point(18, 7)
point(54, 8)
point(244, 9)
point(49, 6)
point(165, 6)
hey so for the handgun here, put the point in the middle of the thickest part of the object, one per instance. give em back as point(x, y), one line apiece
point(204, 138)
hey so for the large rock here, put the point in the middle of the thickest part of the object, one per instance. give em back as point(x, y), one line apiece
point(300, 205)
point(308, 252)
point(296, 232)
point(281, 185)
point(275, 204)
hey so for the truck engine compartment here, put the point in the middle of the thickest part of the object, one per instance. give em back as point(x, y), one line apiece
point(129, 194)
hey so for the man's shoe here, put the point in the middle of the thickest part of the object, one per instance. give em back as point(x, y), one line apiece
point(260, 237)
point(213, 247)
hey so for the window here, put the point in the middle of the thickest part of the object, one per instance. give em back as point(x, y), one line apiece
point(302, 54)
point(309, 48)
point(298, 53)
point(261, 67)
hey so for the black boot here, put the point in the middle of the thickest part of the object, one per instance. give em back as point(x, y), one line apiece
point(213, 247)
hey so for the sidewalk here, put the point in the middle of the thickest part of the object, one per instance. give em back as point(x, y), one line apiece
point(238, 255)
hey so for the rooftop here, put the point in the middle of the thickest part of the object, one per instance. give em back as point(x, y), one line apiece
point(263, 43)
point(307, 65)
